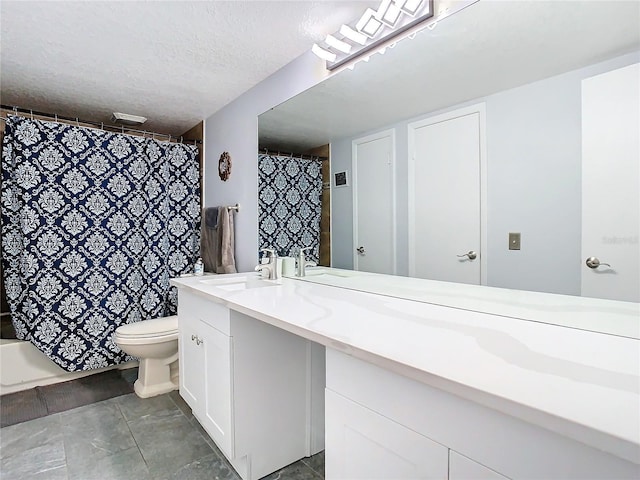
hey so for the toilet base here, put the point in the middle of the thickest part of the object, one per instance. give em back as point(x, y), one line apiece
point(146, 391)
point(155, 377)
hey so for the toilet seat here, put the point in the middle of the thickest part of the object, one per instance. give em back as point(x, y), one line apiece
point(149, 331)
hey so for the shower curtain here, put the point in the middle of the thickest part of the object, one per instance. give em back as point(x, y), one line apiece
point(289, 204)
point(93, 226)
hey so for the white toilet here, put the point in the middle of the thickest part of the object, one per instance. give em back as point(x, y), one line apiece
point(155, 343)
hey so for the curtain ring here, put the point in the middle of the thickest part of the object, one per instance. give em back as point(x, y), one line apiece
point(180, 138)
point(31, 114)
point(195, 142)
point(77, 122)
point(101, 125)
point(122, 129)
point(56, 118)
point(153, 135)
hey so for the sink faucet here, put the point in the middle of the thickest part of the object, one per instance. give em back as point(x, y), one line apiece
point(302, 262)
point(271, 266)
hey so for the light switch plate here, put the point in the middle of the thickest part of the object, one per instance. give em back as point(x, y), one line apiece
point(514, 241)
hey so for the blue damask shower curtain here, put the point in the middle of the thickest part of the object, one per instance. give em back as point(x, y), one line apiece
point(93, 226)
point(289, 204)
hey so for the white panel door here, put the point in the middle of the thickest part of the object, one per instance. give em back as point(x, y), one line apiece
point(363, 445)
point(445, 197)
point(374, 204)
point(610, 184)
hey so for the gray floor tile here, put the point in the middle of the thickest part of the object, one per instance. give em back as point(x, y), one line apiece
point(46, 462)
point(181, 404)
point(127, 464)
point(168, 442)
point(295, 471)
point(25, 436)
point(316, 463)
point(95, 431)
point(134, 407)
point(209, 467)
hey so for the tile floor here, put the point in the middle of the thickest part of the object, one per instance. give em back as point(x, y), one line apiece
point(124, 438)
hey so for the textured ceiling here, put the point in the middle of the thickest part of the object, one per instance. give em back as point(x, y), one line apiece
point(488, 47)
point(173, 62)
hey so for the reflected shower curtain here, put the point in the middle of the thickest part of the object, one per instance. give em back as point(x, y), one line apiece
point(93, 226)
point(289, 204)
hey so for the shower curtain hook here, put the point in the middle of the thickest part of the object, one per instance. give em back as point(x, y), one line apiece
point(180, 139)
point(122, 129)
point(56, 118)
point(31, 114)
point(195, 142)
point(101, 125)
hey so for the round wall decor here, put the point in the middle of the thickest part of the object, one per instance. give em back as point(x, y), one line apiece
point(224, 166)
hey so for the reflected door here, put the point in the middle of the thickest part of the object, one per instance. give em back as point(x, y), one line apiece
point(445, 197)
point(610, 185)
point(374, 204)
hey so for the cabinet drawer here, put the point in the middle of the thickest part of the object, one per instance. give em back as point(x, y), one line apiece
point(196, 307)
point(463, 468)
point(362, 445)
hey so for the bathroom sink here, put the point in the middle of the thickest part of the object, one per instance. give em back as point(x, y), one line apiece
point(232, 284)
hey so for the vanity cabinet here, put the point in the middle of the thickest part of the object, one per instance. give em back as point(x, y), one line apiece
point(387, 426)
point(247, 383)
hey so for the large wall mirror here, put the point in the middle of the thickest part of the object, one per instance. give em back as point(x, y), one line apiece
point(502, 83)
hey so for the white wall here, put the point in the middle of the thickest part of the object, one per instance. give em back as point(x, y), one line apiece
point(534, 181)
point(235, 129)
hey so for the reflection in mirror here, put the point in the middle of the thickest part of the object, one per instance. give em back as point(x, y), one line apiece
point(508, 131)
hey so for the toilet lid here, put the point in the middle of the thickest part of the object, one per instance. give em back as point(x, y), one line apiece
point(155, 327)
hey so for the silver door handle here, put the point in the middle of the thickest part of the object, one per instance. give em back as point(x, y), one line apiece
point(593, 262)
point(199, 341)
point(193, 337)
point(471, 254)
point(360, 250)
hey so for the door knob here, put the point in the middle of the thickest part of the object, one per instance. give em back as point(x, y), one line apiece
point(593, 262)
point(471, 254)
point(360, 250)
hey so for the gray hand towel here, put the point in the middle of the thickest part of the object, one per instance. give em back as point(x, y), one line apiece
point(225, 258)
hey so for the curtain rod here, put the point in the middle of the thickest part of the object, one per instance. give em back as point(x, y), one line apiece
point(120, 128)
point(301, 156)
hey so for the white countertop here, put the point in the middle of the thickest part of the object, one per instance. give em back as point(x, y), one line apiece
point(578, 383)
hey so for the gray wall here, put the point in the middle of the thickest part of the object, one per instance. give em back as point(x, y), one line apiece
point(534, 184)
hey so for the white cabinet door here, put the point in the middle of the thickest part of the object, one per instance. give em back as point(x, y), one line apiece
point(463, 468)
point(217, 417)
point(191, 355)
point(374, 204)
point(363, 445)
point(611, 184)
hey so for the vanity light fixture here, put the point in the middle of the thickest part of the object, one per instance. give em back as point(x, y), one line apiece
point(373, 30)
point(378, 29)
point(323, 54)
point(338, 44)
point(389, 13)
point(350, 34)
point(368, 23)
point(409, 7)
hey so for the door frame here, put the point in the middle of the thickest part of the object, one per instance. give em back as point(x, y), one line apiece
point(480, 109)
point(354, 178)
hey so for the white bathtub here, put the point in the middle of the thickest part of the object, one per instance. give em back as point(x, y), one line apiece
point(23, 366)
